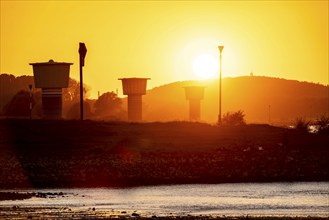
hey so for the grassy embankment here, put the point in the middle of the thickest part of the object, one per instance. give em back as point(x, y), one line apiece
point(43, 154)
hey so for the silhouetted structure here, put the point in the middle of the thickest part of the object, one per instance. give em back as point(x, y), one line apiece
point(82, 55)
point(134, 88)
point(194, 94)
point(51, 77)
point(220, 48)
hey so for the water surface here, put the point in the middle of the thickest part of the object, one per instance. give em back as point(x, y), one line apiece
point(261, 199)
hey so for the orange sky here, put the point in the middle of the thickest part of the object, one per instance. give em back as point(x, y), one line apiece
point(286, 39)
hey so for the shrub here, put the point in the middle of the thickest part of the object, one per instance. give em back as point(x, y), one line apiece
point(322, 124)
point(108, 106)
point(234, 118)
point(74, 111)
point(19, 105)
point(302, 124)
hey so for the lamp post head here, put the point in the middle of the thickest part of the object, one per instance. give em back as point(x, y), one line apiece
point(220, 48)
point(82, 52)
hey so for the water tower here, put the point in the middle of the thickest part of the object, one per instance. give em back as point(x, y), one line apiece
point(194, 94)
point(134, 88)
point(51, 77)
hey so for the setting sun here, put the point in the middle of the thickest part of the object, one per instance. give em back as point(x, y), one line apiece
point(205, 66)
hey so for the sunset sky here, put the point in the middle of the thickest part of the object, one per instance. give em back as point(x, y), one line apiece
point(162, 39)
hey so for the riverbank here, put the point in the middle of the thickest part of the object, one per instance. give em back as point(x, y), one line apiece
point(49, 154)
point(207, 200)
point(55, 213)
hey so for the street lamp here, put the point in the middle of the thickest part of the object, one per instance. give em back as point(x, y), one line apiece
point(220, 48)
point(82, 55)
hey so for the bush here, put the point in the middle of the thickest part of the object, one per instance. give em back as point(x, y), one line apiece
point(302, 124)
point(108, 106)
point(19, 105)
point(234, 118)
point(74, 111)
point(322, 124)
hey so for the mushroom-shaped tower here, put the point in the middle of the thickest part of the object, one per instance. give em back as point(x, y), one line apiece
point(134, 88)
point(51, 77)
point(194, 94)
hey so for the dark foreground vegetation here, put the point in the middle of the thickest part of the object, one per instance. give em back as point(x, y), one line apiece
point(43, 154)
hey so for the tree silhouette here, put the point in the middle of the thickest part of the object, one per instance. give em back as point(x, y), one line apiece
point(11, 85)
point(234, 118)
point(323, 124)
point(19, 105)
point(72, 93)
point(74, 111)
point(108, 106)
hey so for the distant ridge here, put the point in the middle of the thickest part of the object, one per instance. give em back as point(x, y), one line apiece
point(263, 99)
point(267, 100)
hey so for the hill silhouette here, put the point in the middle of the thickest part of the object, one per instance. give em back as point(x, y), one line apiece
point(263, 100)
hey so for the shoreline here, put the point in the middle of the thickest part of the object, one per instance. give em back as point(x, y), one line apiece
point(75, 204)
point(155, 184)
point(41, 154)
point(55, 213)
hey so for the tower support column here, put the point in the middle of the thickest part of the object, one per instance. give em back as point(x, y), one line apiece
point(134, 107)
point(194, 94)
point(195, 107)
point(52, 103)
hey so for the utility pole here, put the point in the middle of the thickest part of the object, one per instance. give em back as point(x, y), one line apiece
point(220, 48)
point(82, 53)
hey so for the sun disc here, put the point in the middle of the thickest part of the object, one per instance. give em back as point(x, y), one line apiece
point(205, 66)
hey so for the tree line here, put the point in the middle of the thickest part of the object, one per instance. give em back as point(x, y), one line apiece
point(15, 100)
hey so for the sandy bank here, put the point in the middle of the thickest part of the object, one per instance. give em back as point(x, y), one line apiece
point(53, 213)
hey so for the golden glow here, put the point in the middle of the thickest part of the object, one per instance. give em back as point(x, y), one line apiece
point(205, 66)
point(160, 39)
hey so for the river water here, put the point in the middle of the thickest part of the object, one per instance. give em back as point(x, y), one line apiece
point(260, 199)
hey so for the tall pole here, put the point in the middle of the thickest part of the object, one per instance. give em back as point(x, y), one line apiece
point(81, 92)
point(82, 53)
point(220, 48)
